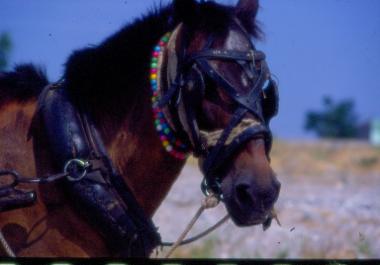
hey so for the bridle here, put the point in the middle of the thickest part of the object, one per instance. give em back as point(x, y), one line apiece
point(188, 85)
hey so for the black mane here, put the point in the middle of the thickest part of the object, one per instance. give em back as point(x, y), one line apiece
point(117, 71)
point(22, 84)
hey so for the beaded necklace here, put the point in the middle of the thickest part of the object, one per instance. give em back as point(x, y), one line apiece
point(169, 141)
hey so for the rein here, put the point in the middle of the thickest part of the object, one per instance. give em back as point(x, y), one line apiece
point(210, 201)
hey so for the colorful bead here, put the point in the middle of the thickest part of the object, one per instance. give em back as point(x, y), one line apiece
point(171, 144)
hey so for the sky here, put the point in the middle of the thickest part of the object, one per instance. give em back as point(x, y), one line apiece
point(315, 47)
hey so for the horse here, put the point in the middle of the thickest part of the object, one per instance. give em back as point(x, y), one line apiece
point(184, 78)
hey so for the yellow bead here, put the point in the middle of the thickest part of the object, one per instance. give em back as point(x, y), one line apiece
point(153, 76)
point(165, 143)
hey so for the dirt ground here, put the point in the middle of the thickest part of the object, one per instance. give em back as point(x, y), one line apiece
point(329, 207)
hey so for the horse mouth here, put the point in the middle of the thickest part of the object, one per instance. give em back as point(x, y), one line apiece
point(242, 221)
point(263, 218)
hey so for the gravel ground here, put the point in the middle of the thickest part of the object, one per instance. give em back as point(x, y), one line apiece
point(327, 216)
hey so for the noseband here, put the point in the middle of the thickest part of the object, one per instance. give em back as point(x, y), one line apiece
point(184, 89)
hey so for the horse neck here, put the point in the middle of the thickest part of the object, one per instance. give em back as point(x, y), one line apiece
point(136, 150)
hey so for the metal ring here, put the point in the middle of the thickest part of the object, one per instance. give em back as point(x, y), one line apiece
point(15, 178)
point(216, 190)
point(204, 187)
point(80, 164)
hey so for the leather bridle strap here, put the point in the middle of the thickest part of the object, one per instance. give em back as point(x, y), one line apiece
point(172, 91)
point(222, 150)
point(248, 101)
point(210, 162)
point(228, 55)
point(246, 104)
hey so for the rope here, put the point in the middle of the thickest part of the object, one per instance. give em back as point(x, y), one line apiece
point(210, 201)
point(8, 250)
point(200, 235)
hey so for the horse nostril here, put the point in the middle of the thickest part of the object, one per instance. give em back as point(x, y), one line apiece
point(243, 195)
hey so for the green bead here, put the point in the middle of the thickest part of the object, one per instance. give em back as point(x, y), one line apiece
point(167, 131)
point(154, 60)
point(153, 65)
point(165, 39)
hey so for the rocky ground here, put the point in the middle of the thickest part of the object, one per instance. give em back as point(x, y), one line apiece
point(329, 207)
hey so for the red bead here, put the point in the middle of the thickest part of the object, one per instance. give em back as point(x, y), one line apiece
point(153, 71)
point(156, 54)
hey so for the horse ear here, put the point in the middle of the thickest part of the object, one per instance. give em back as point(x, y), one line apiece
point(185, 10)
point(247, 9)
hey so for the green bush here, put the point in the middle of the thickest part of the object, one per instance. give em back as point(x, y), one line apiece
point(336, 120)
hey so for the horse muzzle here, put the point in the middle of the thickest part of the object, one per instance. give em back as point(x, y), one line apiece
point(248, 201)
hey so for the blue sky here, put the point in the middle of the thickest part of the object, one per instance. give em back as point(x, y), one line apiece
point(314, 47)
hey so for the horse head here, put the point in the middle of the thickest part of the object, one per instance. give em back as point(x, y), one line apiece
point(218, 94)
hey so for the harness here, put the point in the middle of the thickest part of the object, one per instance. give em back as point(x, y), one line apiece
point(183, 87)
point(89, 178)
